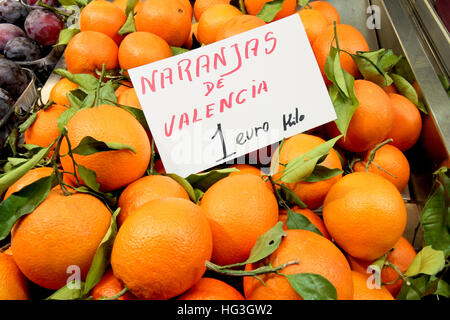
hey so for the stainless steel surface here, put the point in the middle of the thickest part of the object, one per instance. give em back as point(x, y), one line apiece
point(406, 33)
point(436, 33)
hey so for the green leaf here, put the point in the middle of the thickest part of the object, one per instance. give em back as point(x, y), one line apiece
point(198, 195)
point(435, 218)
point(86, 82)
point(427, 261)
point(102, 256)
point(89, 145)
point(264, 246)
point(106, 94)
point(23, 202)
point(66, 35)
point(89, 177)
point(67, 3)
point(405, 88)
point(388, 60)
point(291, 198)
point(27, 123)
point(130, 6)
point(344, 107)
point(138, 114)
point(443, 289)
point(321, 173)
point(66, 293)
point(185, 184)
point(312, 286)
point(414, 289)
point(15, 174)
point(296, 220)
point(65, 117)
point(177, 50)
point(369, 64)
point(128, 26)
point(303, 166)
point(270, 10)
point(205, 180)
point(338, 73)
point(403, 69)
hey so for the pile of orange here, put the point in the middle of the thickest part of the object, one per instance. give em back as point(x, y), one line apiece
point(164, 238)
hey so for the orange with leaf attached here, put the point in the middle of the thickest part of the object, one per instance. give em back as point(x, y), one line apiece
point(313, 254)
point(389, 163)
point(311, 193)
point(108, 124)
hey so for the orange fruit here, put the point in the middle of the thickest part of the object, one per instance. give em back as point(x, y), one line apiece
point(62, 231)
point(122, 4)
point(145, 190)
point(44, 129)
point(8, 251)
point(59, 92)
point(103, 16)
point(32, 176)
point(390, 89)
point(240, 208)
point(371, 122)
point(315, 254)
point(140, 48)
point(408, 122)
point(327, 9)
point(129, 98)
point(13, 285)
point(201, 6)
point(310, 215)
point(109, 286)
point(393, 163)
point(161, 249)
point(314, 23)
point(213, 20)
point(401, 256)
point(254, 7)
point(109, 124)
point(365, 214)
point(188, 6)
point(125, 85)
point(248, 169)
point(361, 290)
point(211, 289)
point(190, 39)
point(90, 50)
point(311, 193)
point(238, 25)
point(350, 40)
point(169, 19)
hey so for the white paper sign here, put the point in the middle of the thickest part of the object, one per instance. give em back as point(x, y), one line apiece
point(222, 101)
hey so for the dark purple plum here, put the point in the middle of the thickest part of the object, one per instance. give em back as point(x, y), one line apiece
point(52, 3)
point(8, 32)
point(6, 102)
point(12, 78)
point(43, 26)
point(22, 49)
point(12, 11)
